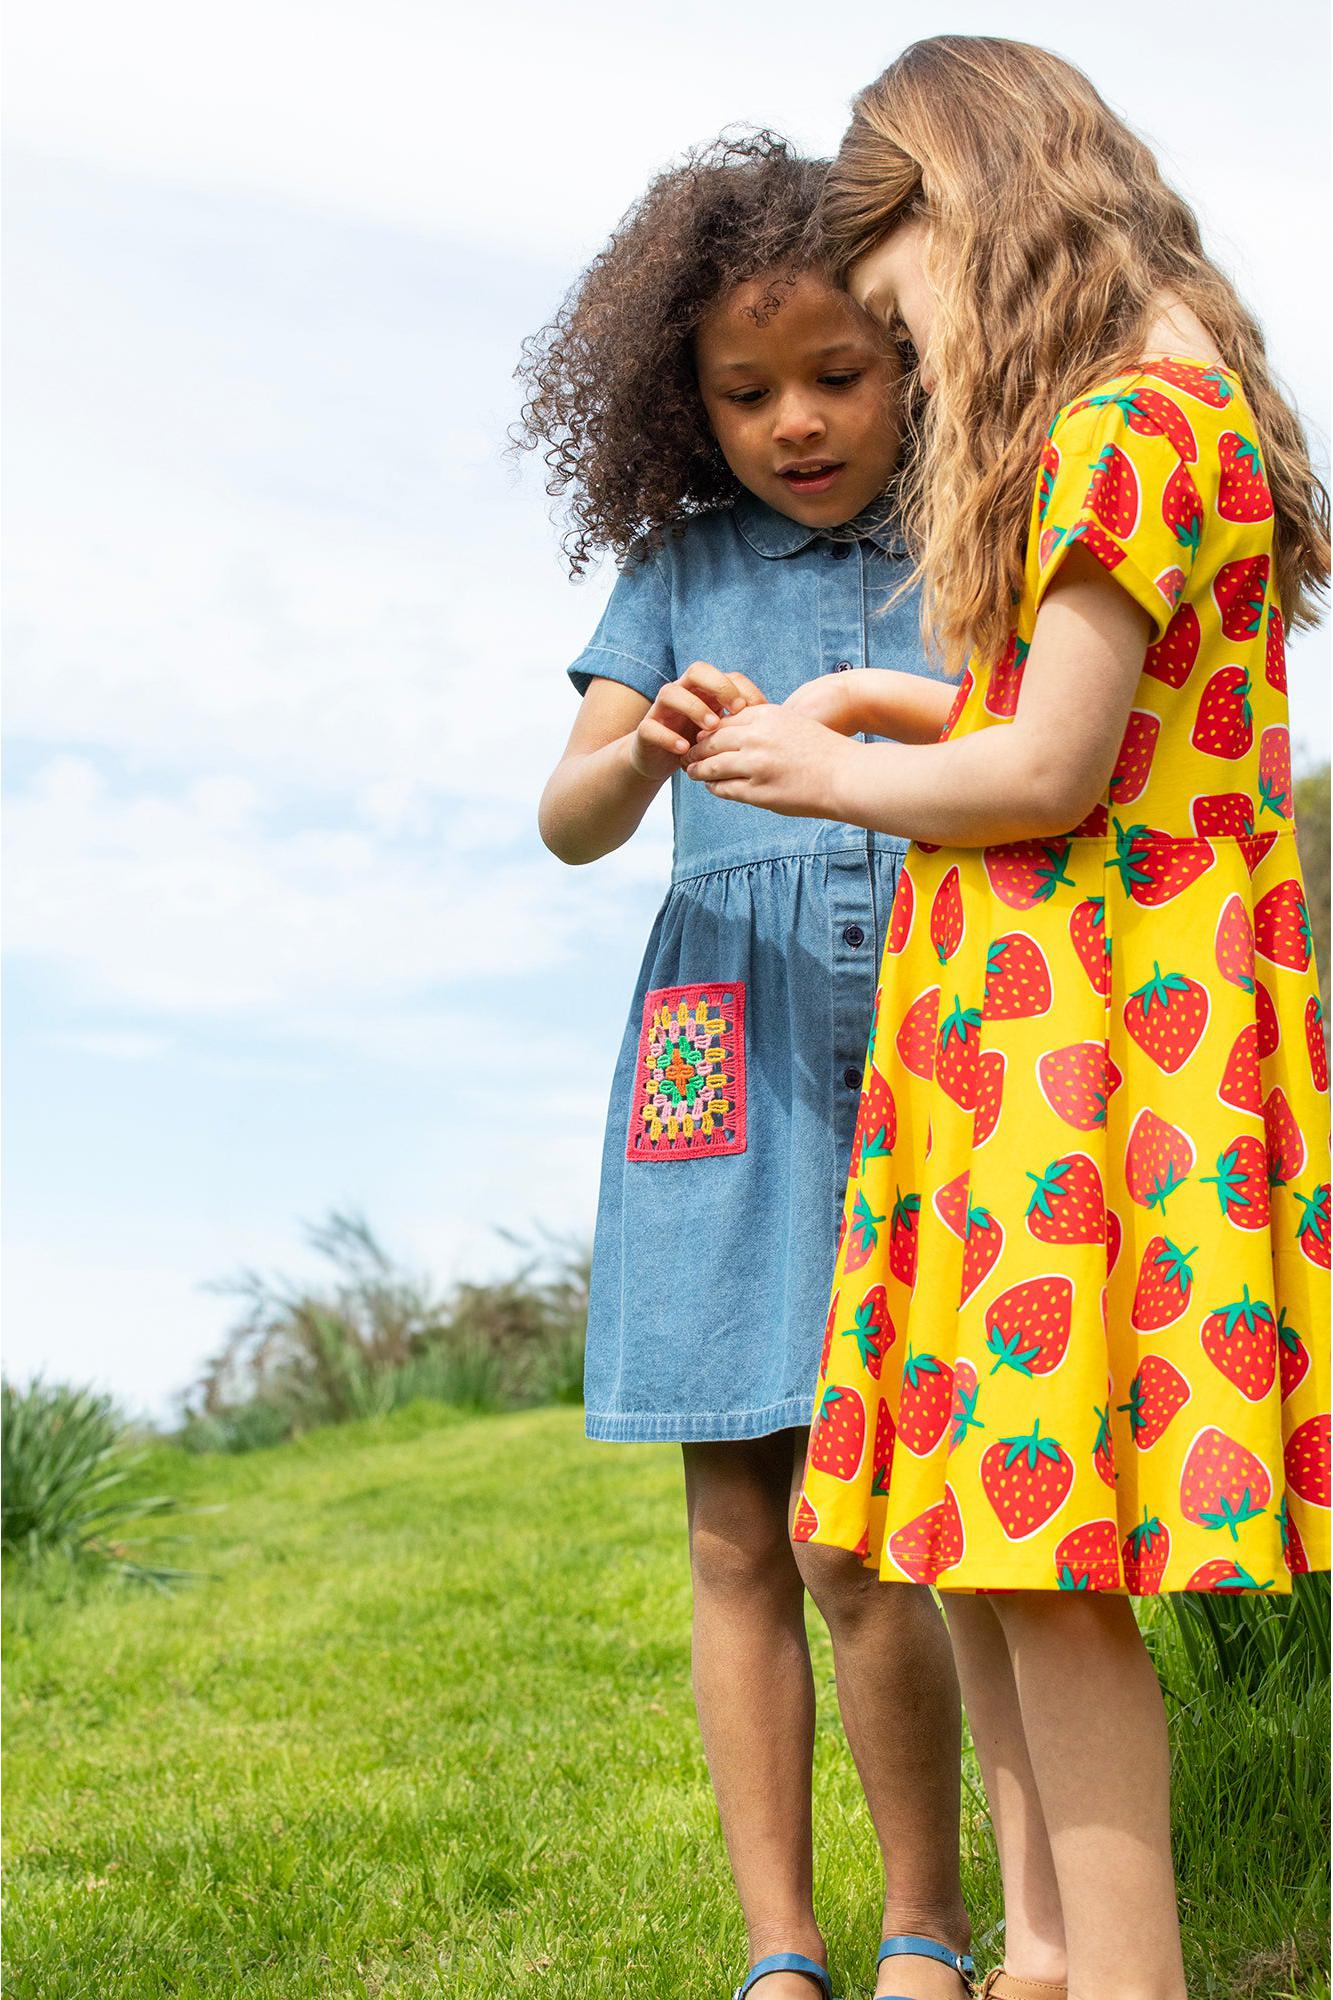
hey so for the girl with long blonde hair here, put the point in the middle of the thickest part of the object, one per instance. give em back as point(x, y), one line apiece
point(1097, 1243)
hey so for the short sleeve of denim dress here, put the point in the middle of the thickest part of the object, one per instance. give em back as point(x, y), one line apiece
point(735, 1094)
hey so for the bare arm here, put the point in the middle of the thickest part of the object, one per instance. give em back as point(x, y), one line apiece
point(879, 702)
point(621, 751)
point(1042, 773)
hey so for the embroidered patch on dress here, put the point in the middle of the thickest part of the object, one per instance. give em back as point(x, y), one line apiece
point(689, 1080)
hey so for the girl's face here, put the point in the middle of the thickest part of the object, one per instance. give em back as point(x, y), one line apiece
point(804, 405)
point(890, 283)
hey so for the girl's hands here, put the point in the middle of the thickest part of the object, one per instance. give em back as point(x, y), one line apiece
point(831, 700)
point(685, 713)
point(775, 757)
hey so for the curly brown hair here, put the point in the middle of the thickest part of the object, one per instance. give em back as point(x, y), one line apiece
point(611, 393)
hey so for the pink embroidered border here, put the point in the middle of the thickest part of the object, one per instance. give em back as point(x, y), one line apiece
point(689, 1076)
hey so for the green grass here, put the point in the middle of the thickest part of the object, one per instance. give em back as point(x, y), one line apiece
point(426, 1729)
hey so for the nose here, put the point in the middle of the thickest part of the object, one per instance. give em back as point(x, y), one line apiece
point(797, 421)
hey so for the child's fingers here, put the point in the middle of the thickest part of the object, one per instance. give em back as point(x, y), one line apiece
point(676, 706)
point(658, 735)
point(754, 696)
point(722, 691)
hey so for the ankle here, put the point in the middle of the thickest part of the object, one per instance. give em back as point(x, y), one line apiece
point(947, 1922)
point(1042, 1961)
point(801, 1934)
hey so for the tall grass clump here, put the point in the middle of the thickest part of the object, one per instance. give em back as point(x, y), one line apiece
point(65, 1466)
point(372, 1336)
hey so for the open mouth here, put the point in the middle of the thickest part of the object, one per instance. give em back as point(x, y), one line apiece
point(815, 476)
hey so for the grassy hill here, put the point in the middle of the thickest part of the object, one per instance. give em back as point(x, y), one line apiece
point(425, 1728)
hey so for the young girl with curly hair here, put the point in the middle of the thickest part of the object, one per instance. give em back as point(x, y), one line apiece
point(727, 423)
point(1099, 1241)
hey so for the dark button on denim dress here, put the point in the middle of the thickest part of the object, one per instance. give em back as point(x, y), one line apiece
point(734, 1096)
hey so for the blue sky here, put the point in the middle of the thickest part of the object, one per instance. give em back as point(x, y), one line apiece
point(286, 630)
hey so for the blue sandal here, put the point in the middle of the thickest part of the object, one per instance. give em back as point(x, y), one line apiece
point(786, 1961)
point(908, 1946)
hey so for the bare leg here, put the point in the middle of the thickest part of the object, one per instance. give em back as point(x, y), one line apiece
point(754, 1691)
point(1096, 1734)
point(1034, 1937)
point(899, 1699)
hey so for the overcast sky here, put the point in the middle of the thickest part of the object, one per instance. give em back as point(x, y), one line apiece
point(286, 632)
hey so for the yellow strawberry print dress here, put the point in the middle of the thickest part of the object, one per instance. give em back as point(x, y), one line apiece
point(1078, 1333)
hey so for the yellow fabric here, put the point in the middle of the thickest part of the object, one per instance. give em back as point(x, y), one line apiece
point(1075, 1340)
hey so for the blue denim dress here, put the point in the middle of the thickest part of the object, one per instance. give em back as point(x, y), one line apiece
point(735, 1095)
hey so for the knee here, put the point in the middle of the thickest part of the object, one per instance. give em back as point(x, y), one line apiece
point(1033, 1613)
point(840, 1584)
point(741, 1550)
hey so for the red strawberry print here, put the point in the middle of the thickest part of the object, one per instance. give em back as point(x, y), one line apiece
point(1018, 979)
point(1293, 1548)
point(1170, 583)
point(959, 1054)
point(1134, 761)
point(1094, 827)
point(829, 1325)
point(1025, 873)
point(1078, 1083)
point(1089, 1558)
point(1275, 652)
point(1157, 1394)
point(1315, 1043)
point(876, 1122)
point(1286, 1142)
point(839, 1435)
point(1027, 1327)
point(1256, 848)
point(1151, 414)
point(981, 1235)
point(1172, 658)
point(917, 1035)
point(1097, 543)
point(1223, 1576)
point(1166, 1017)
point(872, 1330)
point(862, 1236)
point(1206, 385)
point(1242, 492)
point(1154, 867)
point(1223, 815)
point(900, 919)
point(1113, 495)
point(1087, 930)
point(990, 1096)
point(1051, 539)
point(1115, 1232)
point(1241, 1181)
point(1240, 1086)
point(1282, 932)
point(925, 1404)
point(1306, 1461)
point(1293, 1357)
point(806, 1524)
point(1265, 1017)
point(1233, 945)
point(1145, 1554)
point(1103, 1446)
point(1006, 678)
point(1050, 466)
point(1275, 772)
point(882, 1452)
point(1158, 1159)
point(1240, 1340)
point(1068, 1204)
point(960, 702)
point(1223, 1485)
point(1182, 509)
point(963, 1418)
point(903, 1224)
point(932, 1543)
point(1312, 1230)
point(1224, 723)
point(1239, 589)
point(1166, 1278)
point(1027, 1481)
point(946, 917)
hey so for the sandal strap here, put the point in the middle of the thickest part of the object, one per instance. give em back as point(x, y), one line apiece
point(909, 1946)
point(786, 1961)
point(1002, 1985)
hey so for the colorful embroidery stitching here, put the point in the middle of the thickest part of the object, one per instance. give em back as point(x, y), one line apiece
point(689, 1095)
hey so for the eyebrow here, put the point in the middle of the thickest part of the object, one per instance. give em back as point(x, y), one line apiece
point(820, 354)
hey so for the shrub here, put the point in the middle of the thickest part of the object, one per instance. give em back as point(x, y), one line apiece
point(65, 1464)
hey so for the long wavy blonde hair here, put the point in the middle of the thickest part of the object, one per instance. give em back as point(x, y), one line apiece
point(1052, 239)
